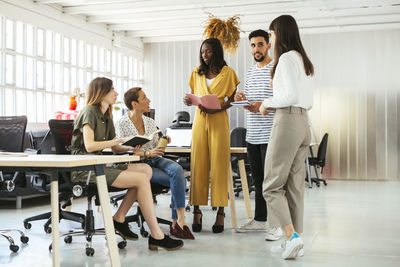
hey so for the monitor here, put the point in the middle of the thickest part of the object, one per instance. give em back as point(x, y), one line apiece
point(180, 137)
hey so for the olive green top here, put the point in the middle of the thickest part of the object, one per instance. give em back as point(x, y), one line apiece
point(101, 124)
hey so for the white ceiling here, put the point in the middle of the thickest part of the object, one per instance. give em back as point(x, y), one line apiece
point(172, 20)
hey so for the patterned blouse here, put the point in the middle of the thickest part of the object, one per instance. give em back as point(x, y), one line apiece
point(125, 127)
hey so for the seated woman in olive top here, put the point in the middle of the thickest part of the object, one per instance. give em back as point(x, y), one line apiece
point(94, 131)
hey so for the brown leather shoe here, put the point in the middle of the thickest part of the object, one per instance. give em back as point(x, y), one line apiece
point(181, 233)
point(188, 233)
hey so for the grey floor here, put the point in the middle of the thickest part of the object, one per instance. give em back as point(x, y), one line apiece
point(348, 223)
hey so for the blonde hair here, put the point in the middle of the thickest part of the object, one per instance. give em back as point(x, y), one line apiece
point(97, 90)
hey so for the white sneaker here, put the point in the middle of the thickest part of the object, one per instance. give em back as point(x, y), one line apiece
point(273, 234)
point(292, 247)
point(252, 225)
point(281, 248)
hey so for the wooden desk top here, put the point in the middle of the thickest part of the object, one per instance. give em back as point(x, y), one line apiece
point(235, 150)
point(65, 161)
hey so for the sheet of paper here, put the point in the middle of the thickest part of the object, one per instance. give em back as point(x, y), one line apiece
point(13, 154)
point(241, 103)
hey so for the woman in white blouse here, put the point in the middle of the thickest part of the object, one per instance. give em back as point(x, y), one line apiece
point(283, 186)
point(165, 171)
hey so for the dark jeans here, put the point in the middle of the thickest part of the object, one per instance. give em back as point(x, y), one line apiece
point(256, 154)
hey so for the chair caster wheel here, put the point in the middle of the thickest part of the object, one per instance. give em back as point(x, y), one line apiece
point(27, 225)
point(47, 230)
point(68, 239)
point(214, 208)
point(144, 233)
point(89, 251)
point(122, 244)
point(14, 248)
point(50, 248)
point(24, 239)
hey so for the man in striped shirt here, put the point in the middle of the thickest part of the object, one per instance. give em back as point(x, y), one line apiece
point(258, 88)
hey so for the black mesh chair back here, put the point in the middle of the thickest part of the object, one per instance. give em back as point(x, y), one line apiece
point(238, 137)
point(322, 150)
point(61, 130)
point(12, 133)
point(42, 141)
point(318, 161)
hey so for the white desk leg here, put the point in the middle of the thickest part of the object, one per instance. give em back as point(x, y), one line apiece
point(54, 223)
point(245, 187)
point(107, 218)
point(232, 198)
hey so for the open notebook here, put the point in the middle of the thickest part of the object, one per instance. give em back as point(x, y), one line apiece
point(180, 137)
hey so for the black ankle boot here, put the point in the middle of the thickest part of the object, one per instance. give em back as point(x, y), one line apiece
point(218, 228)
point(165, 243)
point(196, 227)
point(123, 230)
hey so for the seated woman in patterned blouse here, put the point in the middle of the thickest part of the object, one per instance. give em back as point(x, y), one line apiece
point(165, 172)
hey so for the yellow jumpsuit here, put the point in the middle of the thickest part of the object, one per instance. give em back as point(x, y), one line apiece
point(210, 153)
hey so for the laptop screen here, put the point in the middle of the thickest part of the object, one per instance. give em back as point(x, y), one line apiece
point(180, 137)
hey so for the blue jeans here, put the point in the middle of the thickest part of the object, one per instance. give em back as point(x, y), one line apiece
point(169, 173)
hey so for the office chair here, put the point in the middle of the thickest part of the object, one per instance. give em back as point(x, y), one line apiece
point(181, 120)
point(238, 139)
point(42, 141)
point(319, 160)
point(138, 218)
point(61, 131)
point(156, 189)
point(12, 133)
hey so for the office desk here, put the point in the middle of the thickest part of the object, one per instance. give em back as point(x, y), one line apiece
point(240, 152)
point(55, 163)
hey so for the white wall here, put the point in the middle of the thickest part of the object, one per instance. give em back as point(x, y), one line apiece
point(357, 95)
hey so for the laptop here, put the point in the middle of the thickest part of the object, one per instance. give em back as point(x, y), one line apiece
point(180, 137)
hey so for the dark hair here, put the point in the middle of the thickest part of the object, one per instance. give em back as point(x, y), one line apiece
point(287, 38)
point(217, 61)
point(98, 88)
point(259, 33)
point(131, 95)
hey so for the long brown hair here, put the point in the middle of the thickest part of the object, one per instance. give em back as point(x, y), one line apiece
point(97, 90)
point(287, 38)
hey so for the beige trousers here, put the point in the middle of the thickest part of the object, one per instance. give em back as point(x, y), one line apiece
point(285, 168)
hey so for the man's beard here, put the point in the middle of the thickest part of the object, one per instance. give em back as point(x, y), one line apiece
point(259, 59)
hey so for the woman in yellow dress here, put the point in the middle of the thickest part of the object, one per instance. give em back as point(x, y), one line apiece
point(210, 152)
